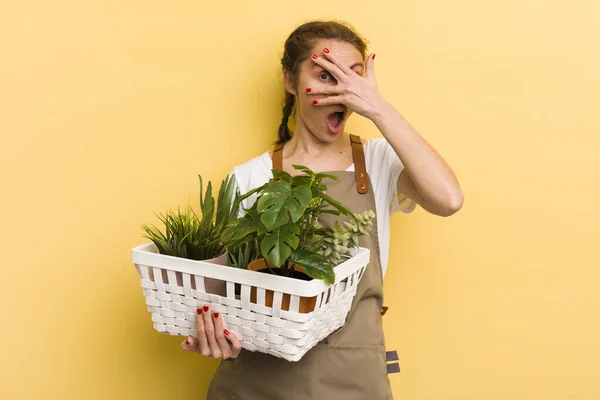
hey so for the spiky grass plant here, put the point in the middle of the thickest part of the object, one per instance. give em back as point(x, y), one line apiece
point(188, 235)
point(244, 254)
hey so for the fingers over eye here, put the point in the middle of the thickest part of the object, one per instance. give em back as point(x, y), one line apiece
point(330, 100)
point(337, 73)
point(338, 89)
point(331, 56)
point(370, 66)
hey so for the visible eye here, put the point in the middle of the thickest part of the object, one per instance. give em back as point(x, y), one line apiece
point(325, 76)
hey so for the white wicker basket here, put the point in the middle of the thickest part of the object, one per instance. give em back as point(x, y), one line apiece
point(174, 289)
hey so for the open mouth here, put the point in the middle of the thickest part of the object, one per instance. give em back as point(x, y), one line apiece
point(335, 121)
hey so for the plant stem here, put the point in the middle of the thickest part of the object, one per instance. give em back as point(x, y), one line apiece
point(312, 219)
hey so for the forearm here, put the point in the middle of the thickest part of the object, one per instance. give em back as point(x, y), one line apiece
point(432, 178)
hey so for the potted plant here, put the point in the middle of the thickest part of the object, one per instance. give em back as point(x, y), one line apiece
point(283, 226)
point(283, 234)
point(188, 235)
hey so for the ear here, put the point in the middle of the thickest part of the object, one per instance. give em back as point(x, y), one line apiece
point(289, 82)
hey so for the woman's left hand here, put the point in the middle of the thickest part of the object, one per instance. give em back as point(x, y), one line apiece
point(358, 93)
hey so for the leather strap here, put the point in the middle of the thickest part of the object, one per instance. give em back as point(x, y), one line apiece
point(358, 155)
point(278, 157)
point(360, 168)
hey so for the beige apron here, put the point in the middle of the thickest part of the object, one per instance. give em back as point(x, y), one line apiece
point(350, 364)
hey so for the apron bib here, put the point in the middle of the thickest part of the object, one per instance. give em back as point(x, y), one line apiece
point(349, 364)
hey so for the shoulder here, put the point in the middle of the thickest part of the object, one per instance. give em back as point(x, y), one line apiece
point(250, 173)
point(377, 146)
point(381, 159)
point(256, 163)
point(379, 151)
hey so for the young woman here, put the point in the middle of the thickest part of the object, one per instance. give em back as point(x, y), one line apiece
point(327, 77)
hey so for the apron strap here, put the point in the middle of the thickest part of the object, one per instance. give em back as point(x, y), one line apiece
point(360, 168)
point(278, 157)
point(358, 155)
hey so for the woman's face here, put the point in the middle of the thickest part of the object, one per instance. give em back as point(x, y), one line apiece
point(326, 123)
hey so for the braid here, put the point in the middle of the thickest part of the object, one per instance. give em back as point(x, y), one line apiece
point(284, 131)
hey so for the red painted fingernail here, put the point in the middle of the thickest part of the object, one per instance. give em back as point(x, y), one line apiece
point(205, 308)
point(199, 311)
point(314, 56)
point(326, 50)
point(216, 314)
point(374, 56)
point(308, 90)
point(315, 102)
point(226, 332)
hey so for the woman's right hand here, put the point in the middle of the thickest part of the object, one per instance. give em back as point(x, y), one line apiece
point(213, 340)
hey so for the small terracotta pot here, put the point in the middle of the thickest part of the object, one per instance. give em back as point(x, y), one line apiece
point(307, 304)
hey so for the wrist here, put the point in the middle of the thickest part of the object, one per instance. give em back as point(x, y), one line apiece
point(382, 112)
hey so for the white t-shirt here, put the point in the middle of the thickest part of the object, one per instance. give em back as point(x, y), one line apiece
point(383, 166)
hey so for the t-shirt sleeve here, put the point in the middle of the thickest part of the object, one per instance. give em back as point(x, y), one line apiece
point(384, 168)
point(237, 189)
point(250, 175)
point(243, 184)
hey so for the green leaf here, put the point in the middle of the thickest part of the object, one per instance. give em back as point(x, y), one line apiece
point(261, 229)
point(336, 204)
point(299, 180)
point(284, 176)
point(207, 204)
point(184, 236)
point(226, 210)
point(304, 169)
point(299, 199)
point(241, 256)
point(277, 246)
point(314, 175)
point(250, 193)
point(238, 229)
point(315, 265)
point(328, 176)
point(279, 200)
point(332, 212)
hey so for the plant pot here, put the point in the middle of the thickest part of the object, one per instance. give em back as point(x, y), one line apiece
point(211, 286)
point(307, 304)
point(216, 286)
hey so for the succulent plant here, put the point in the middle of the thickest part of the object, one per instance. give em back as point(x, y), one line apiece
point(336, 242)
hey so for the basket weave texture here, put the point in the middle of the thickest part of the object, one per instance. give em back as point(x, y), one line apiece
point(175, 287)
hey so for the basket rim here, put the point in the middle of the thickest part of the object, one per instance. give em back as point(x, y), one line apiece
point(147, 255)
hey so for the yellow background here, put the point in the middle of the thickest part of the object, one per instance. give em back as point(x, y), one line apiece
point(109, 109)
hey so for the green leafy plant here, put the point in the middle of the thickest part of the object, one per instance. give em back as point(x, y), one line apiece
point(336, 242)
point(244, 254)
point(284, 222)
point(188, 235)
